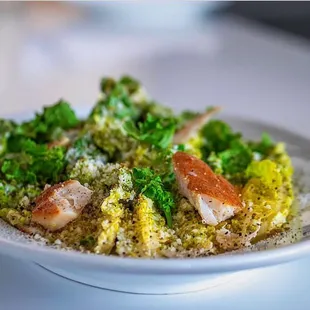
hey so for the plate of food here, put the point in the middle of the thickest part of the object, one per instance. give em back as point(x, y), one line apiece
point(134, 197)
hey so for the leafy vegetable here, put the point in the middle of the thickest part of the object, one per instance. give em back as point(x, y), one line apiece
point(116, 99)
point(233, 160)
point(129, 84)
point(116, 106)
point(266, 170)
point(7, 128)
point(35, 164)
point(151, 185)
point(269, 191)
point(263, 147)
point(49, 125)
point(154, 131)
point(228, 153)
point(218, 136)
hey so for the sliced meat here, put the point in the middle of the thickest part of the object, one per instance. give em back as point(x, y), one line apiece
point(60, 204)
point(193, 126)
point(214, 197)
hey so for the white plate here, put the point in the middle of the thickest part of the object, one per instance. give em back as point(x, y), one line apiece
point(167, 276)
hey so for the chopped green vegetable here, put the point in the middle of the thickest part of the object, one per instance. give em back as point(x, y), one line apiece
point(154, 131)
point(228, 153)
point(151, 185)
point(7, 128)
point(233, 160)
point(266, 170)
point(262, 147)
point(219, 136)
point(116, 100)
point(155, 109)
point(35, 164)
point(123, 152)
point(49, 125)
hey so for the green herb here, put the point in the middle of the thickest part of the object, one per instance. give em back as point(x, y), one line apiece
point(151, 185)
point(154, 131)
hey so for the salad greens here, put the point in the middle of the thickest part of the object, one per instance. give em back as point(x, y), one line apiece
point(151, 185)
point(228, 153)
point(122, 151)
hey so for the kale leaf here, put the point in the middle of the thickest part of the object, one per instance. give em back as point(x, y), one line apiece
point(35, 164)
point(49, 125)
point(154, 131)
point(228, 153)
point(151, 185)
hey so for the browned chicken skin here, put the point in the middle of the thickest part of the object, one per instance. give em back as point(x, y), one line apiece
point(214, 197)
point(60, 204)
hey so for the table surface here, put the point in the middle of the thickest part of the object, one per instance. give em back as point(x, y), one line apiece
point(249, 70)
point(26, 286)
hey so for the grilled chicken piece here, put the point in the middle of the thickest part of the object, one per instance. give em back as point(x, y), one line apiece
point(193, 126)
point(60, 204)
point(214, 197)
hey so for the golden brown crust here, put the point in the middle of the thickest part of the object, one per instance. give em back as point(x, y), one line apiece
point(45, 206)
point(202, 180)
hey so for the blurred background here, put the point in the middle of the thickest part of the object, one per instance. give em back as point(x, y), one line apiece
point(253, 58)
